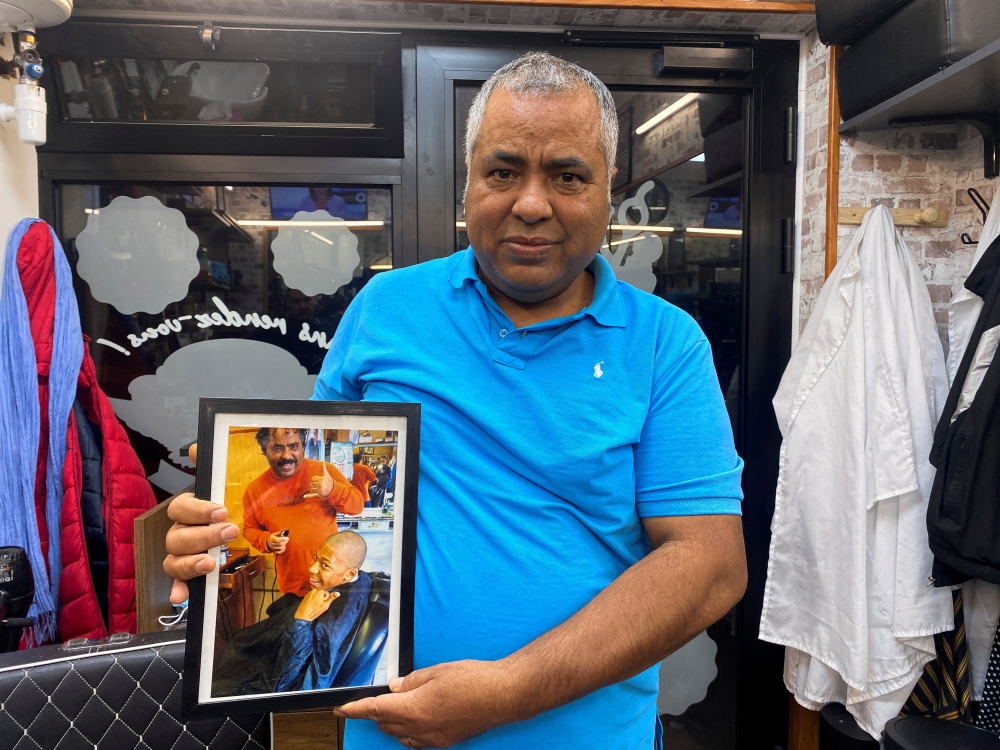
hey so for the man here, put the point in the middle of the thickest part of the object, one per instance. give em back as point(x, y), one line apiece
point(304, 640)
point(579, 490)
point(292, 507)
point(324, 199)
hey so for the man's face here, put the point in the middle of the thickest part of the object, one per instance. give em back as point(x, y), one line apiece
point(300, 306)
point(284, 453)
point(537, 206)
point(329, 569)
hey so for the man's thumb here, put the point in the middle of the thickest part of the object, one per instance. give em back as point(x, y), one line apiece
point(326, 470)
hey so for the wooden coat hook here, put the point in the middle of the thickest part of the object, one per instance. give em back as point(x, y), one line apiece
point(903, 217)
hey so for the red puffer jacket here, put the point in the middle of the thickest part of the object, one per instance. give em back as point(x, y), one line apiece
point(125, 492)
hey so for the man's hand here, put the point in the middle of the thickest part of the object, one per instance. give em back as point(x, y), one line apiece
point(277, 543)
point(322, 486)
point(315, 603)
point(442, 705)
point(198, 526)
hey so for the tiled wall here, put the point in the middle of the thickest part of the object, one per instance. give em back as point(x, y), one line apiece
point(913, 167)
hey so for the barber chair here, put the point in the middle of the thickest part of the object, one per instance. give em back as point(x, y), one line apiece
point(17, 592)
point(839, 731)
point(359, 666)
point(925, 733)
point(123, 694)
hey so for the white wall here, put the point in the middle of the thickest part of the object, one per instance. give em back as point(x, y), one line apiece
point(18, 167)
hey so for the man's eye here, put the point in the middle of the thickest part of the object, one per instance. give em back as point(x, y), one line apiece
point(568, 177)
point(503, 174)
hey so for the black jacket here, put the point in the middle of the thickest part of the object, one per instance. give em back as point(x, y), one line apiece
point(963, 517)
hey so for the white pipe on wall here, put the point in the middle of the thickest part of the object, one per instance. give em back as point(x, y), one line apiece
point(18, 168)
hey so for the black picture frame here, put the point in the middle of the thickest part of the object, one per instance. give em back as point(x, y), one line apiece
point(193, 707)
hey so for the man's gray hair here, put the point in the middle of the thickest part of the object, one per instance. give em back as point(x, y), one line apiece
point(542, 73)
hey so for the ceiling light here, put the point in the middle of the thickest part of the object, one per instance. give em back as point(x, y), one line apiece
point(311, 224)
point(321, 238)
point(381, 267)
point(667, 113)
point(229, 187)
point(699, 157)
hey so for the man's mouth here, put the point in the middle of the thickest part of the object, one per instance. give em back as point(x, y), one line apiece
point(315, 583)
point(528, 248)
point(285, 464)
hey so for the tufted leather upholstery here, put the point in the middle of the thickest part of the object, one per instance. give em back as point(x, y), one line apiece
point(114, 699)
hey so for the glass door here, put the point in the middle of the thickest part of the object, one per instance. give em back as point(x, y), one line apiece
point(697, 207)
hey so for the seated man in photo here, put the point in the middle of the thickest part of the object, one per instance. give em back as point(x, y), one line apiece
point(299, 495)
point(304, 640)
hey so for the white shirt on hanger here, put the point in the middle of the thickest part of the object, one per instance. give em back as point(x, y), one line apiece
point(847, 589)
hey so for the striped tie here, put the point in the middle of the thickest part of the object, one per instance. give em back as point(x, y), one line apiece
point(943, 690)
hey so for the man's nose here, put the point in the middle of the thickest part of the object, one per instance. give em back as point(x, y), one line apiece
point(532, 204)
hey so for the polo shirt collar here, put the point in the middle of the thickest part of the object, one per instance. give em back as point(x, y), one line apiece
point(607, 307)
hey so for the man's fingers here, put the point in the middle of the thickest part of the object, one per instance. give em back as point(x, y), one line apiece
point(412, 681)
point(366, 708)
point(178, 592)
point(193, 453)
point(191, 511)
point(186, 567)
point(191, 540)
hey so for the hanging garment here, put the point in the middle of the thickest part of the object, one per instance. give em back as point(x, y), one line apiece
point(963, 518)
point(982, 599)
point(989, 706)
point(846, 588)
point(50, 313)
point(943, 690)
point(91, 505)
point(40, 352)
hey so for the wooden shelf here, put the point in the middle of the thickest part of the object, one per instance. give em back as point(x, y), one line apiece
point(968, 91)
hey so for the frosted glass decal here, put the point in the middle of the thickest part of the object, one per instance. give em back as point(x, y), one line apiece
point(316, 260)
point(686, 674)
point(170, 478)
point(634, 254)
point(137, 254)
point(164, 406)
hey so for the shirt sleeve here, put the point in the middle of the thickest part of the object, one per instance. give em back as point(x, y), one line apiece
point(344, 496)
point(686, 462)
point(333, 383)
point(253, 530)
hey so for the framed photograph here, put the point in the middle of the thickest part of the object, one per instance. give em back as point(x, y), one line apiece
point(312, 604)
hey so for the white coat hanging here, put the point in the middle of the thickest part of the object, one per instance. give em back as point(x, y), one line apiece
point(847, 589)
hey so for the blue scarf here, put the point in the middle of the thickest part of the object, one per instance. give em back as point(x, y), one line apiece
point(20, 424)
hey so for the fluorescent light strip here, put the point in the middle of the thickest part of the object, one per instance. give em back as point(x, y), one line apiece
point(667, 113)
point(321, 238)
point(381, 267)
point(311, 224)
point(690, 231)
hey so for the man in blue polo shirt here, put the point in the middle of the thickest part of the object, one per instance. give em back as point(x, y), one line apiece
point(579, 488)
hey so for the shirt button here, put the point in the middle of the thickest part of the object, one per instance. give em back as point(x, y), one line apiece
point(503, 332)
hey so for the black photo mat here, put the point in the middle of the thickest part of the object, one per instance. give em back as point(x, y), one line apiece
point(382, 430)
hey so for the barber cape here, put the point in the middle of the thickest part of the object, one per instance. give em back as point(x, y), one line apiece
point(847, 586)
point(981, 599)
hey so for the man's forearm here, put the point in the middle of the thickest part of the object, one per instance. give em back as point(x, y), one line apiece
point(647, 613)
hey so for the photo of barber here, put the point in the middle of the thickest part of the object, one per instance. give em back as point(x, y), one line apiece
point(291, 509)
point(304, 640)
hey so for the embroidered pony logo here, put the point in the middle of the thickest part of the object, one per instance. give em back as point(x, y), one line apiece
point(598, 372)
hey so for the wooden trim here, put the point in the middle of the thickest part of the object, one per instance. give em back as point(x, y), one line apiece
point(803, 726)
point(715, 6)
point(832, 164)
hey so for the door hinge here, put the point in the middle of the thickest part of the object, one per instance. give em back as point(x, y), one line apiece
point(788, 245)
point(791, 129)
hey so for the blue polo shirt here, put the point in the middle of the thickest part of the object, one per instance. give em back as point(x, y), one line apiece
point(541, 451)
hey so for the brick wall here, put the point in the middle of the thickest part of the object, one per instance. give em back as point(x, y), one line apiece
point(913, 167)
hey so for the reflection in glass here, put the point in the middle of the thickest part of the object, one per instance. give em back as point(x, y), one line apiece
point(205, 290)
point(209, 91)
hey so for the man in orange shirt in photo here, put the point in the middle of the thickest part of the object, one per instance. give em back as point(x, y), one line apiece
point(299, 496)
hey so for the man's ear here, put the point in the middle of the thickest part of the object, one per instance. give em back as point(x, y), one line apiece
point(351, 575)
